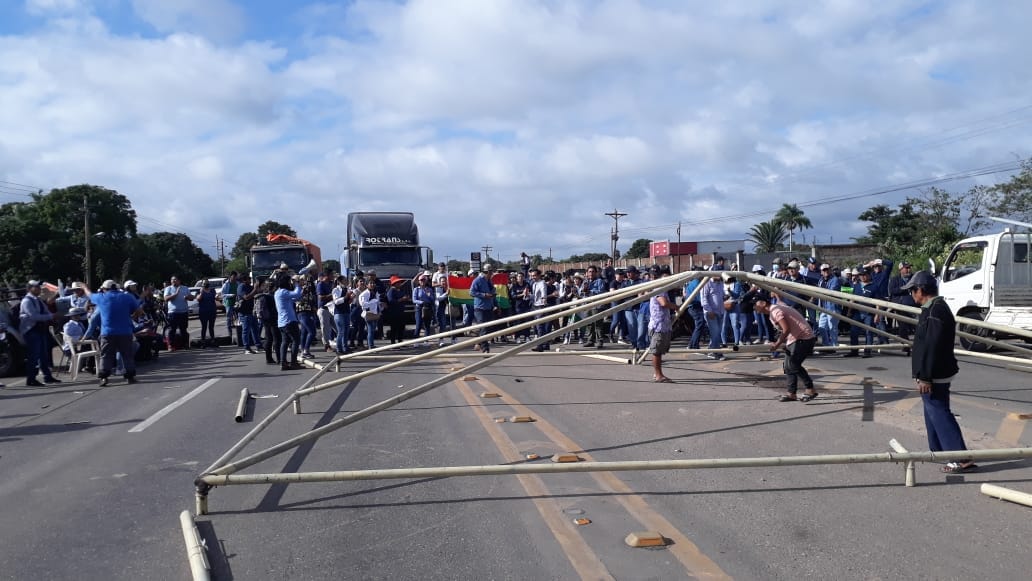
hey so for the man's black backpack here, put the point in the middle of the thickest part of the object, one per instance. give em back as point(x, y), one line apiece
point(265, 307)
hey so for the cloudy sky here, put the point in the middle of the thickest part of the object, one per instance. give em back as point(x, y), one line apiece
point(510, 123)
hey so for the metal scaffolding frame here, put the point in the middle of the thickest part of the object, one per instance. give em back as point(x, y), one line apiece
point(223, 471)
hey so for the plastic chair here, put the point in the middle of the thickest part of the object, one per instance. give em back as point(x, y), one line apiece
point(79, 357)
point(65, 358)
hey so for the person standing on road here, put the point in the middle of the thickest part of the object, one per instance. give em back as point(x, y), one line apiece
point(290, 329)
point(324, 300)
point(116, 330)
point(660, 328)
point(341, 298)
point(933, 366)
point(206, 313)
point(712, 298)
point(230, 293)
point(34, 320)
point(483, 292)
point(176, 295)
point(798, 339)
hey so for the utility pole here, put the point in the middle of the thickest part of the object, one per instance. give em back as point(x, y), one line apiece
point(615, 235)
point(487, 252)
point(86, 230)
point(678, 247)
point(222, 255)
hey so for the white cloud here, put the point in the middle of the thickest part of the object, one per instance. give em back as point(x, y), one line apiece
point(513, 123)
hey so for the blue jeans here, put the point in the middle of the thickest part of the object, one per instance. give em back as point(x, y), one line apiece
point(442, 316)
point(715, 323)
point(738, 322)
point(643, 328)
point(631, 323)
point(371, 328)
point(307, 322)
point(37, 342)
point(762, 330)
point(248, 331)
point(827, 327)
point(854, 331)
point(483, 316)
point(230, 311)
point(943, 431)
point(343, 322)
point(700, 323)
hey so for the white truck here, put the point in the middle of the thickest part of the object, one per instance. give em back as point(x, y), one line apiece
point(989, 278)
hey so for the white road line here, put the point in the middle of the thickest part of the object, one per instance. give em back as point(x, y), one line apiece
point(605, 357)
point(167, 409)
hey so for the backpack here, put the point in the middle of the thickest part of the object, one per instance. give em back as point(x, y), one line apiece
point(265, 307)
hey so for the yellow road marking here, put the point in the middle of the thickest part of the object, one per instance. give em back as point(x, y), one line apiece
point(581, 556)
point(693, 559)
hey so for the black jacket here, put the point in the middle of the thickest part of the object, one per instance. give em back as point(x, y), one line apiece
point(933, 356)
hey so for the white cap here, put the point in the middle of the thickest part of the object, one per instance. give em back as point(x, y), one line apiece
point(33, 282)
point(78, 284)
point(757, 268)
point(793, 264)
point(825, 266)
point(877, 262)
point(109, 284)
point(128, 283)
point(470, 273)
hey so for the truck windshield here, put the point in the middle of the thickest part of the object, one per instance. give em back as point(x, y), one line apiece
point(270, 259)
point(965, 259)
point(378, 256)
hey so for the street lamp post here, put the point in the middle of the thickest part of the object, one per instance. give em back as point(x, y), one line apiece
point(86, 229)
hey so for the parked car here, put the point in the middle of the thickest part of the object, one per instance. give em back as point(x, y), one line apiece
point(192, 306)
point(216, 283)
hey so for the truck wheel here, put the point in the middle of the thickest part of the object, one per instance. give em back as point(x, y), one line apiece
point(969, 344)
point(11, 358)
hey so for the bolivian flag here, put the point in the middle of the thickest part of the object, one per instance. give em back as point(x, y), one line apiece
point(458, 290)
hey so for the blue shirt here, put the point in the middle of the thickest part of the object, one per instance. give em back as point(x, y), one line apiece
point(285, 305)
point(206, 301)
point(480, 287)
point(178, 304)
point(116, 310)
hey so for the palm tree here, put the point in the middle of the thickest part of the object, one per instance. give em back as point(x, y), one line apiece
point(791, 217)
point(768, 236)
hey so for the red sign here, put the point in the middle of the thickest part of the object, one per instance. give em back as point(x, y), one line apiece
point(667, 248)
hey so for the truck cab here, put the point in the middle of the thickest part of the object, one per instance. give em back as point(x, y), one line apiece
point(990, 278)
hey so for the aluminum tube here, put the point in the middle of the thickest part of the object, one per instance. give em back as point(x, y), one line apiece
point(1024, 333)
point(233, 451)
point(1006, 494)
point(241, 409)
point(391, 402)
point(571, 308)
point(553, 468)
point(837, 315)
point(199, 568)
point(858, 305)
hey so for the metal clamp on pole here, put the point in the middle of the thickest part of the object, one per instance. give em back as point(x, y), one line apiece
point(911, 471)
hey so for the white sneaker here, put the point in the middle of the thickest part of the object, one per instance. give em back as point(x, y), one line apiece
point(566, 341)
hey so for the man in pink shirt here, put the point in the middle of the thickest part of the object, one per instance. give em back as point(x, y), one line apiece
point(798, 340)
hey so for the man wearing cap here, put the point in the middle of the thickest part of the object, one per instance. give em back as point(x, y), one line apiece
point(899, 295)
point(881, 269)
point(483, 292)
point(74, 329)
point(33, 321)
point(862, 288)
point(594, 286)
point(827, 325)
point(116, 310)
point(798, 340)
point(712, 298)
point(933, 367)
point(177, 295)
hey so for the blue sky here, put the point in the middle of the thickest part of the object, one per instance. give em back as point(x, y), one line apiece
point(509, 123)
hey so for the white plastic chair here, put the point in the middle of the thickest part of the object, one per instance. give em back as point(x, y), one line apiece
point(78, 358)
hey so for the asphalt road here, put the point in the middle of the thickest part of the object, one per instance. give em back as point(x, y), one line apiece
point(84, 497)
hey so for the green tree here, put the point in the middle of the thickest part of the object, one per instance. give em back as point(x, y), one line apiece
point(1013, 199)
point(767, 236)
point(171, 253)
point(273, 227)
point(791, 217)
point(243, 244)
point(639, 249)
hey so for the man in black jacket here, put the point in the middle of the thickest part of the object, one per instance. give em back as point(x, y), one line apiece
point(933, 366)
point(900, 296)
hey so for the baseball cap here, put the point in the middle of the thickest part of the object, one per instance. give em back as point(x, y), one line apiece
point(905, 264)
point(862, 271)
point(757, 268)
point(921, 278)
point(128, 283)
point(631, 269)
point(793, 264)
point(825, 266)
point(32, 283)
point(811, 260)
point(109, 284)
point(877, 262)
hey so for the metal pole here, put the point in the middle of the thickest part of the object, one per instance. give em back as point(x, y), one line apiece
point(241, 409)
point(622, 466)
point(199, 568)
point(1006, 494)
point(391, 402)
point(88, 278)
